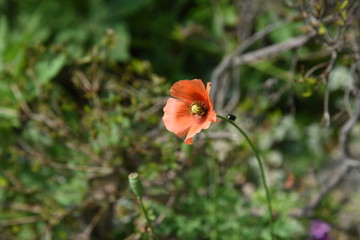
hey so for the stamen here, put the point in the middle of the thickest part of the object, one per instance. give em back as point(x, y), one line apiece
point(197, 109)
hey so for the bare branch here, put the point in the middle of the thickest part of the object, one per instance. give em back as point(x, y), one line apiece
point(347, 165)
point(348, 126)
point(221, 76)
point(19, 97)
point(333, 181)
point(85, 235)
point(226, 62)
point(169, 204)
point(19, 221)
point(271, 51)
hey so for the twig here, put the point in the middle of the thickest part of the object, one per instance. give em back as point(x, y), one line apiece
point(94, 170)
point(315, 68)
point(247, 12)
point(221, 74)
point(19, 221)
point(325, 76)
point(17, 183)
point(86, 234)
point(27, 110)
point(348, 163)
point(48, 232)
point(333, 181)
point(348, 126)
point(19, 97)
point(85, 83)
point(226, 61)
point(27, 208)
point(169, 204)
point(272, 51)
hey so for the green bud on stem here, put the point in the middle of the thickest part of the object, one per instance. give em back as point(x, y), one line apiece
point(135, 184)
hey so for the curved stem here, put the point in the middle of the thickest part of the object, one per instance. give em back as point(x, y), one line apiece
point(147, 217)
point(263, 179)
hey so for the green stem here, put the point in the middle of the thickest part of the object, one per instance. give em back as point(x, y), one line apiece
point(263, 179)
point(214, 197)
point(147, 217)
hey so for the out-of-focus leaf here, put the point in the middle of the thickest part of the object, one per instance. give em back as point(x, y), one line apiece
point(230, 15)
point(46, 70)
point(289, 227)
point(343, 5)
point(322, 29)
point(8, 112)
point(8, 104)
point(120, 50)
point(3, 37)
point(3, 182)
point(288, 31)
point(340, 78)
point(307, 93)
point(71, 193)
point(268, 67)
point(282, 34)
point(128, 7)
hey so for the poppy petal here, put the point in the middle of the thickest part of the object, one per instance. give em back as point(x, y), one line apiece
point(176, 117)
point(189, 90)
point(212, 116)
point(208, 88)
point(196, 128)
point(208, 99)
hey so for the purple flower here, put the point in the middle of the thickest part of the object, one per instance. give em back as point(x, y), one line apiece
point(319, 230)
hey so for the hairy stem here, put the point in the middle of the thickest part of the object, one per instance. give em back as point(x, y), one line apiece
point(263, 179)
point(147, 218)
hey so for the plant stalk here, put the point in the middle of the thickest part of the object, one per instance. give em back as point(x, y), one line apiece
point(263, 179)
point(147, 217)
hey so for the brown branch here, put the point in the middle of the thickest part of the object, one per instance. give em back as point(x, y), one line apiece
point(325, 75)
point(27, 208)
point(19, 97)
point(271, 51)
point(169, 204)
point(348, 126)
point(333, 181)
point(85, 235)
point(226, 62)
point(19, 221)
point(221, 75)
point(347, 164)
point(48, 232)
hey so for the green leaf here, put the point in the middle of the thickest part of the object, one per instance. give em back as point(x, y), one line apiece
point(307, 94)
point(120, 50)
point(282, 34)
point(47, 70)
point(71, 193)
point(322, 29)
point(268, 67)
point(128, 7)
point(3, 182)
point(343, 5)
point(8, 112)
point(310, 81)
point(3, 35)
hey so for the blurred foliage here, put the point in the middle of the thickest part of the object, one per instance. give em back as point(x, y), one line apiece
point(82, 87)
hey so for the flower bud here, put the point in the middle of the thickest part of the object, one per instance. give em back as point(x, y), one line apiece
point(135, 184)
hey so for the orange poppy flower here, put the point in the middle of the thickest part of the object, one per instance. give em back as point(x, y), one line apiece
point(191, 109)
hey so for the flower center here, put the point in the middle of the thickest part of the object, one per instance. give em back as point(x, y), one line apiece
point(197, 109)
